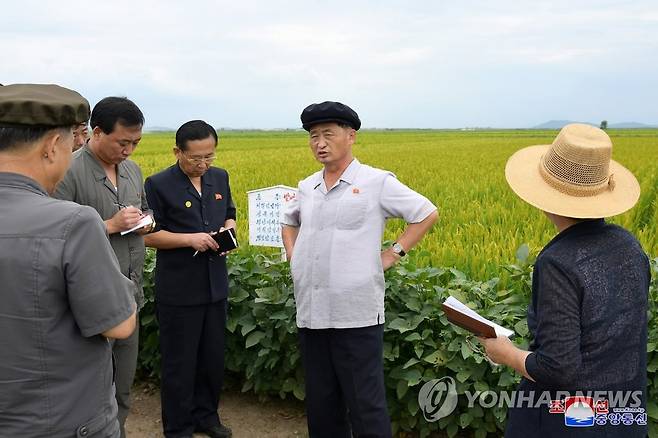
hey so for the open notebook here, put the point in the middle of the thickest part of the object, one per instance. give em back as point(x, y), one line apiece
point(143, 222)
point(460, 314)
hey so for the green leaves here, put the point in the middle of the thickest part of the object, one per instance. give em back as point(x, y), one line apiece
point(404, 325)
point(412, 376)
point(521, 327)
point(254, 339)
point(402, 388)
point(247, 327)
point(438, 357)
point(652, 409)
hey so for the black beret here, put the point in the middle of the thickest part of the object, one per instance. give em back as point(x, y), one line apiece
point(43, 105)
point(329, 112)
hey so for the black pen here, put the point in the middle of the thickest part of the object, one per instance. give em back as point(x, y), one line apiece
point(120, 205)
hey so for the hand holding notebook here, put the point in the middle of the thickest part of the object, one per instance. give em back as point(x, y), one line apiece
point(145, 221)
point(460, 314)
point(225, 238)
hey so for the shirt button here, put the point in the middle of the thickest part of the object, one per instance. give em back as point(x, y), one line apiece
point(83, 431)
point(316, 287)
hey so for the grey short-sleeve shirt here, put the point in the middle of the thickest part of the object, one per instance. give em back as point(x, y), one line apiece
point(87, 184)
point(61, 288)
point(336, 263)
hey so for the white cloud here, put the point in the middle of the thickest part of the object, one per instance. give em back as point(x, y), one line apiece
point(424, 63)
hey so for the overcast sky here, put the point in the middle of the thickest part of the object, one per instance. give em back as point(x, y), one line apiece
point(424, 64)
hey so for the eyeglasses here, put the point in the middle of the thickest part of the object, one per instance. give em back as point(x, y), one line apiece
point(197, 160)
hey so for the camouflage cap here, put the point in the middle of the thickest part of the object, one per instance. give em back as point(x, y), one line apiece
point(41, 104)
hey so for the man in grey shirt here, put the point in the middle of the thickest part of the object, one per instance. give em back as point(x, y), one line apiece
point(62, 292)
point(332, 233)
point(101, 176)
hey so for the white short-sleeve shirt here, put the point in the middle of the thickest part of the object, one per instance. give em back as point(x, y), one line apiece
point(336, 263)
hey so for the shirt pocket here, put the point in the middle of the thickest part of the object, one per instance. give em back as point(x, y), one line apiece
point(351, 214)
point(103, 425)
point(133, 197)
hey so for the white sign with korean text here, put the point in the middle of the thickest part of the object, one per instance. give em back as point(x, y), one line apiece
point(265, 208)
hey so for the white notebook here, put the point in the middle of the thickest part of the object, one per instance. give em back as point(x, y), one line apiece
point(456, 305)
point(143, 222)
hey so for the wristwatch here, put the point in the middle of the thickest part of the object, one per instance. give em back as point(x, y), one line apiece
point(397, 249)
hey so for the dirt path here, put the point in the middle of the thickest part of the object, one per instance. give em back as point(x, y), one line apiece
point(243, 413)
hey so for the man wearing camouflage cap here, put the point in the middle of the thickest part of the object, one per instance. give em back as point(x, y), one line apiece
point(332, 233)
point(63, 294)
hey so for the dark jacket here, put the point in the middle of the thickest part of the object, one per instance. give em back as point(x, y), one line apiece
point(180, 278)
point(588, 321)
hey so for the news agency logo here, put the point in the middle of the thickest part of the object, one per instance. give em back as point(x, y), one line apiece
point(585, 411)
point(578, 411)
point(438, 398)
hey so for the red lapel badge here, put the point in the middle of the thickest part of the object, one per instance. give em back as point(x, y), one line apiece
point(355, 191)
point(218, 196)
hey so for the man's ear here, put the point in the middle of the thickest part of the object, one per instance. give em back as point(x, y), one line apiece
point(49, 144)
point(352, 136)
point(96, 132)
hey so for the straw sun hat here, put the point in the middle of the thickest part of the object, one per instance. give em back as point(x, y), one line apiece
point(573, 177)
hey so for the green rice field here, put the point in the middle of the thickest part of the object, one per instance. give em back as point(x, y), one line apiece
point(482, 222)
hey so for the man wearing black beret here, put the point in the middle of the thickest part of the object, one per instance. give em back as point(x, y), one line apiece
point(332, 233)
point(62, 291)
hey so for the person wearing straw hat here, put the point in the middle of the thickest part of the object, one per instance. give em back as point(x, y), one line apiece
point(588, 314)
point(62, 291)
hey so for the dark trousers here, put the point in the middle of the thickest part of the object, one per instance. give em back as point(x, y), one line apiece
point(345, 393)
point(192, 349)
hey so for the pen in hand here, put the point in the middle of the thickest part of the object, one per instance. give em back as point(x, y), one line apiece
point(197, 251)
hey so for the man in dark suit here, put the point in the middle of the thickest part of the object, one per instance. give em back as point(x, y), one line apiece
point(191, 201)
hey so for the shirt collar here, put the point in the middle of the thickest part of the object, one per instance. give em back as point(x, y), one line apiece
point(582, 227)
point(348, 175)
point(97, 168)
point(205, 178)
point(21, 181)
